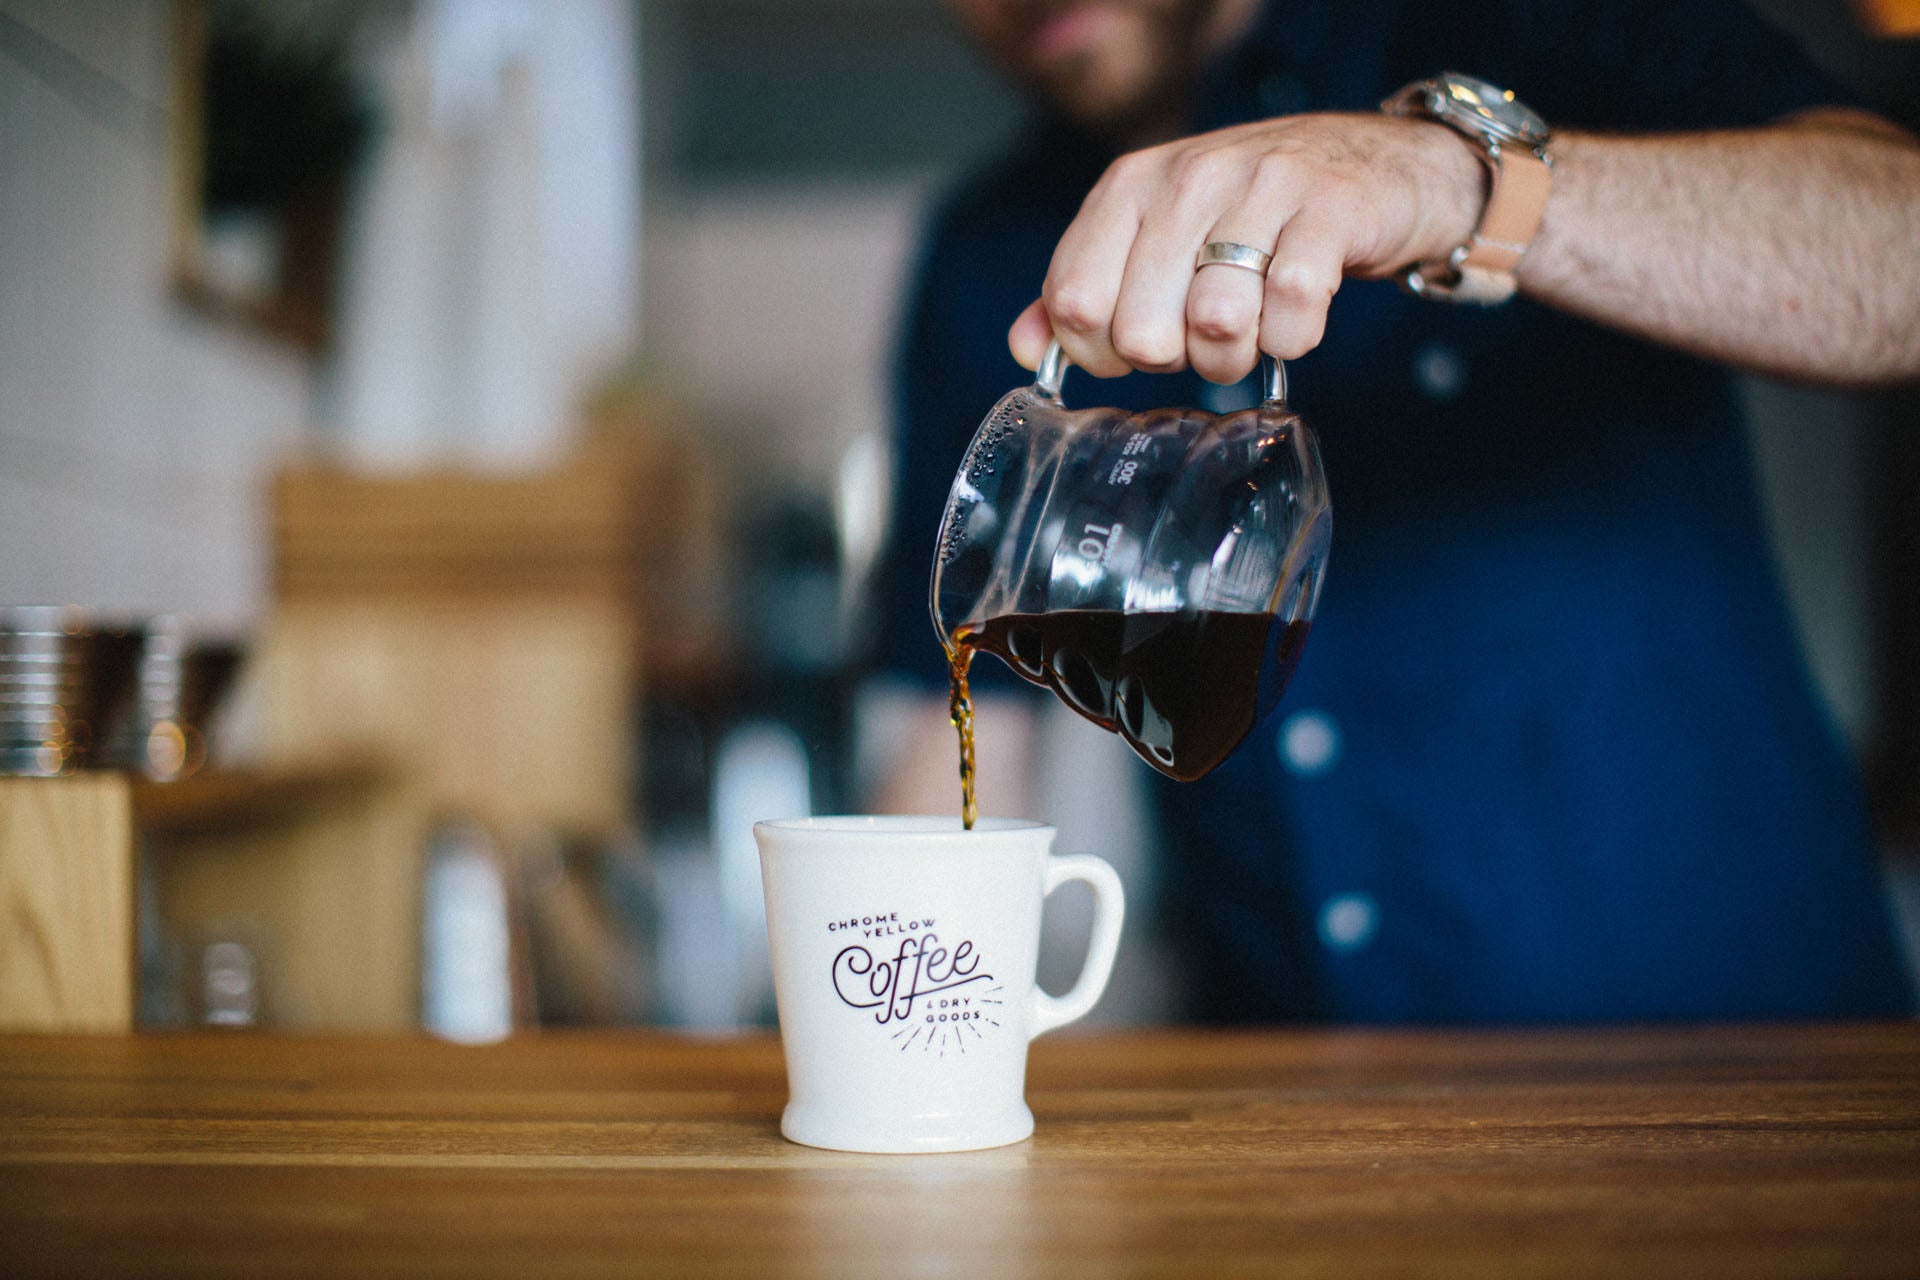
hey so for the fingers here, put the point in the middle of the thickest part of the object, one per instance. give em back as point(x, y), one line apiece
point(1223, 312)
point(1224, 302)
point(1030, 334)
point(1149, 320)
point(1308, 261)
point(1123, 291)
point(1233, 313)
point(1116, 290)
point(1082, 290)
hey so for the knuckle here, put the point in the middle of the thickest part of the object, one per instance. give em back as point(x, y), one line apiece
point(1218, 319)
point(1147, 346)
point(1202, 169)
point(1279, 170)
point(1132, 169)
point(1298, 284)
point(1074, 309)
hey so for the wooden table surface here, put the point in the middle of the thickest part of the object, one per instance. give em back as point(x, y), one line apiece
point(1729, 1151)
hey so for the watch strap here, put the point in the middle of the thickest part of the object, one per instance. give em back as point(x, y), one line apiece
point(1482, 270)
point(1520, 177)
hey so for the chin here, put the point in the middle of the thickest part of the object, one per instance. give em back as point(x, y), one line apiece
point(1103, 93)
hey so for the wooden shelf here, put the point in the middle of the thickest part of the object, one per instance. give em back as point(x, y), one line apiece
point(220, 799)
point(66, 894)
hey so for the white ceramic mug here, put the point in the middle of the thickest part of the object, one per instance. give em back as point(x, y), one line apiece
point(903, 967)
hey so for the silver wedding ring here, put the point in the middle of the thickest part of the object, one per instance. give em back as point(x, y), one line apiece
point(1226, 253)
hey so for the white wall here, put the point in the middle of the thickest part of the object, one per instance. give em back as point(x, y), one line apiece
point(491, 275)
point(135, 437)
point(770, 310)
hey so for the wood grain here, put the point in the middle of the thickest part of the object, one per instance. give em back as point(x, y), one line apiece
point(449, 532)
point(66, 904)
point(1730, 1151)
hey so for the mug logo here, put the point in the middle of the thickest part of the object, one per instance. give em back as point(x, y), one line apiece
point(937, 994)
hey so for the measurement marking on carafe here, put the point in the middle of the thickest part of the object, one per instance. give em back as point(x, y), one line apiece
point(1097, 545)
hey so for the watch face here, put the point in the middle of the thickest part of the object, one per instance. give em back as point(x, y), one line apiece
point(1488, 108)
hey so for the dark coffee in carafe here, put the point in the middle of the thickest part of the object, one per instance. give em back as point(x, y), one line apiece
point(1183, 689)
point(1156, 570)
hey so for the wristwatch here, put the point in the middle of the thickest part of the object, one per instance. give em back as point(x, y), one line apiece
point(1514, 144)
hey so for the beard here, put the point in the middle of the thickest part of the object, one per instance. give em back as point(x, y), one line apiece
point(1123, 69)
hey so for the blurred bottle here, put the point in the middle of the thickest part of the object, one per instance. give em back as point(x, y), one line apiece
point(588, 909)
point(229, 985)
point(466, 936)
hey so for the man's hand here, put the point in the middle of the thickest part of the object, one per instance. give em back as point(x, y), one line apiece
point(1328, 195)
point(1789, 250)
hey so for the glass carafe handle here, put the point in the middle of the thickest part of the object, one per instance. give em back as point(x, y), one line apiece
point(1053, 371)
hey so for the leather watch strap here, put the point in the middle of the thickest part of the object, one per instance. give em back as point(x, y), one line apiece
point(1516, 202)
point(1512, 140)
point(1482, 270)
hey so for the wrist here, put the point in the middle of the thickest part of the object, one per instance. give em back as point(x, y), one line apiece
point(1453, 193)
point(1512, 142)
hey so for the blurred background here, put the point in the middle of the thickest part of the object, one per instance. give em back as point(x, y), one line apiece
point(502, 387)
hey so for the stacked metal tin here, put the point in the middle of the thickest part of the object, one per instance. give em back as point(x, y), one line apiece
point(67, 680)
point(84, 690)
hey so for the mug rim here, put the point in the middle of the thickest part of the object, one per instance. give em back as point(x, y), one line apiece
point(899, 824)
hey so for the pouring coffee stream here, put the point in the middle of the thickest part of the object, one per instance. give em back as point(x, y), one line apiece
point(1158, 571)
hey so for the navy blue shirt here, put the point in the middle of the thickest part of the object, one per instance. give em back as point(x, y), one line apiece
point(1552, 753)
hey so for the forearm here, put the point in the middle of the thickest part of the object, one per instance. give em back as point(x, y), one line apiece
point(1792, 250)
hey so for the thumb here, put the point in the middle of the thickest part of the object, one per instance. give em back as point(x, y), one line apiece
point(1030, 334)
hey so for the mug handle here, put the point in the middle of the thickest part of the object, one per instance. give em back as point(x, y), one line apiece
point(1109, 903)
point(1053, 372)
